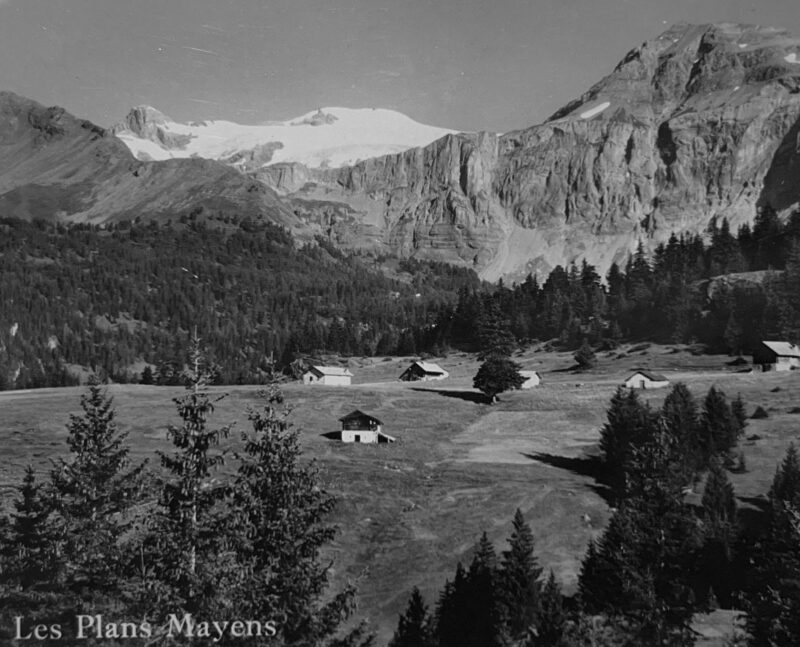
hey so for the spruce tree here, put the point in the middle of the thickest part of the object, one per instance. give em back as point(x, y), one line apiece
point(719, 428)
point(494, 336)
point(95, 491)
point(281, 519)
point(452, 620)
point(552, 616)
point(186, 563)
point(680, 417)
point(719, 500)
point(785, 486)
point(414, 626)
point(629, 425)
point(31, 565)
point(519, 585)
point(640, 568)
point(147, 376)
point(482, 604)
point(772, 599)
point(720, 531)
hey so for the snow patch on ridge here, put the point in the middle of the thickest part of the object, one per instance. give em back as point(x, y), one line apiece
point(791, 58)
point(591, 112)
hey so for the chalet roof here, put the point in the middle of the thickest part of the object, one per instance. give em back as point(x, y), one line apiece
point(655, 377)
point(782, 348)
point(359, 414)
point(529, 373)
point(331, 370)
point(429, 367)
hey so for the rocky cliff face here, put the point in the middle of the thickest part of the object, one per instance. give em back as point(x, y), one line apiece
point(699, 123)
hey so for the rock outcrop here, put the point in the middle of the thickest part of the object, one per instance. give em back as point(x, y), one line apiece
point(702, 122)
point(148, 123)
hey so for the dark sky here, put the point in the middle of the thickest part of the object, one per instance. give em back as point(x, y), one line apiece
point(464, 64)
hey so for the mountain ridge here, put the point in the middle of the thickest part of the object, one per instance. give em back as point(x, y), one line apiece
point(56, 166)
point(698, 124)
point(693, 125)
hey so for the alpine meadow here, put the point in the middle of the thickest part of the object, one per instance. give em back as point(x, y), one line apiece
point(349, 379)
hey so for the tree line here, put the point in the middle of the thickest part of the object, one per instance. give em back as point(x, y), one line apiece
point(122, 300)
point(104, 552)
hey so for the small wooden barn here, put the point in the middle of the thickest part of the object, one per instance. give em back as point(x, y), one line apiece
point(360, 427)
point(423, 372)
point(532, 378)
point(777, 356)
point(330, 375)
point(642, 379)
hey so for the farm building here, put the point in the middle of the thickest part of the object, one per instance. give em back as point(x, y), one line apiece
point(331, 375)
point(532, 379)
point(777, 356)
point(423, 371)
point(642, 379)
point(359, 427)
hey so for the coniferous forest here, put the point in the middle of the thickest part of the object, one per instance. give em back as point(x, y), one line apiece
point(124, 300)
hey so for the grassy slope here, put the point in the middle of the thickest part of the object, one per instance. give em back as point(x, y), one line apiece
point(409, 511)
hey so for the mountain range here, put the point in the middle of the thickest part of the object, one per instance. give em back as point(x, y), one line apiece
point(700, 123)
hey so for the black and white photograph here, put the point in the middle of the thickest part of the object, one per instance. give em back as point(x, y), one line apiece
point(424, 323)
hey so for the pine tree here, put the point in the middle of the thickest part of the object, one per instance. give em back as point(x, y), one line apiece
point(496, 375)
point(280, 513)
point(519, 585)
point(414, 626)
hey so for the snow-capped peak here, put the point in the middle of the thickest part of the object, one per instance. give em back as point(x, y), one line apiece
point(326, 137)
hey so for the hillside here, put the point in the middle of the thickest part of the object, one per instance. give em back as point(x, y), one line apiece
point(56, 166)
point(408, 512)
point(696, 124)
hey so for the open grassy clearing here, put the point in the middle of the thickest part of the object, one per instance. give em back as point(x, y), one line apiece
point(409, 511)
